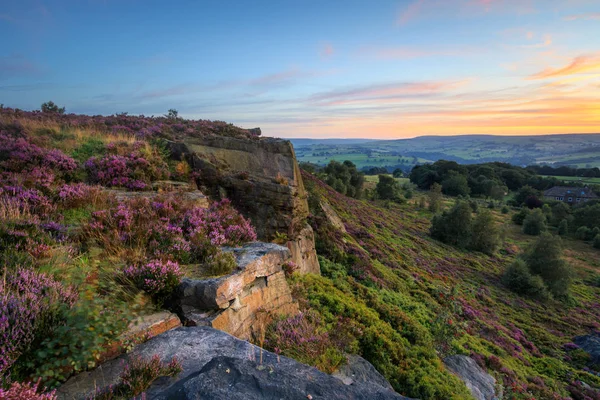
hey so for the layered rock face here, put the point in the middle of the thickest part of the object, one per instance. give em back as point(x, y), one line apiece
point(219, 366)
point(243, 302)
point(481, 384)
point(263, 181)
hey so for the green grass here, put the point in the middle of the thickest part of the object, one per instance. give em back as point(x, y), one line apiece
point(417, 300)
point(578, 179)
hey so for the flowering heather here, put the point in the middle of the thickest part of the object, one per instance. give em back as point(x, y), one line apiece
point(26, 391)
point(221, 224)
point(157, 278)
point(32, 199)
point(75, 194)
point(28, 299)
point(18, 154)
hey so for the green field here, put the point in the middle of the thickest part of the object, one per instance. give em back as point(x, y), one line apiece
point(578, 179)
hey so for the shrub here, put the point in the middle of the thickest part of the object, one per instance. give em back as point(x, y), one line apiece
point(563, 227)
point(583, 233)
point(560, 212)
point(137, 376)
point(544, 258)
point(387, 188)
point(535, 223)
point(484, 233)
point(505, 210)
point(453, 226)
point(597, 241)
point(30, 304)
point(518, 279)
point(157, 278)
point(520, 216)
point(26, 391)
point(221, 263)
point(435, 198)
point(456, 185)
point(51, 108)
point(344, 178)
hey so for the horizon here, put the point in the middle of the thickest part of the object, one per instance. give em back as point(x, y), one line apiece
point(395, 70)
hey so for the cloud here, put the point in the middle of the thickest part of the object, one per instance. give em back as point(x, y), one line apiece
point(546, 43)
point(407, 52)
point(588, 16)
point(326, 51)
point(581, 64)
point(18, 66)
point(382, 93)
point(410, 12)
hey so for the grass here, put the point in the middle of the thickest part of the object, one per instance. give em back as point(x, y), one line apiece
point(426, 300)
point(578, 179)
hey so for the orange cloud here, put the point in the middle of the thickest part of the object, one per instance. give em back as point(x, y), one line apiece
point(579, 65)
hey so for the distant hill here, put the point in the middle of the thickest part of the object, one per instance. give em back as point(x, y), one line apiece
point(580, 150)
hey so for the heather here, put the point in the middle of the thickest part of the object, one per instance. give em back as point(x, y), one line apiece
point(414, 300)
point(82, 261)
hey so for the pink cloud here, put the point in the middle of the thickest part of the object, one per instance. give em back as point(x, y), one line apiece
point(326, 51)
point(588, 16)
point(410, 12)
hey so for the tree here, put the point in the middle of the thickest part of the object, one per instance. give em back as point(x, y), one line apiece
point(583, 233)
point(172, 114)
point(519, 217)
point(456, 185)
point(518, 279)
point(544, 258)
point(560, 212)
point(534, 223)
point(563, 227)
point(344, 178)
point(388, 188)
point(597, 241)
point(397, 173)
point(50, 108)
point(484, 233)
point(435, 198)
point(525, 192)
point(454, 226)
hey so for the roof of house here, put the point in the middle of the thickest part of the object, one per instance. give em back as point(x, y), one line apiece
point(558, 191)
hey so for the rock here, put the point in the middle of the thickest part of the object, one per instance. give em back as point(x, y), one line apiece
point(332, 217)
point(171, 186)
point(196, 196)
point(303, 251)
point(360, 371)
point(590, 344)
point(219, 366)
point(481, 384)
point(244, 301)
point(262, 179)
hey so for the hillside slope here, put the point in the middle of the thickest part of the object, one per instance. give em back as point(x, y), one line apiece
point(414, 301)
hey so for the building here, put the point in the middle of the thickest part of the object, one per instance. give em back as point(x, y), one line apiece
point(569, 194)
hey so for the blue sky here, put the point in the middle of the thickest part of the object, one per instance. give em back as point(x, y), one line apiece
point(313, 68)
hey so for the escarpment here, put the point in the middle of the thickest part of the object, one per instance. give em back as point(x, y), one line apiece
point(262, 179)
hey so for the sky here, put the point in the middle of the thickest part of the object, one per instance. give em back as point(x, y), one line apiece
point(314, 69)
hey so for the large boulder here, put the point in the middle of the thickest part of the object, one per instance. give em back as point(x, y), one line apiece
point(358, 371)
point(591, 345)
point(481, 384)
point(219, 366)
point(242, 302)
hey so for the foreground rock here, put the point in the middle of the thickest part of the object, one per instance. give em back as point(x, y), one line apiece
point(262, 179)
point(359, 371)
point(481, 384)
point(243, 302)
point(591, 345)
point(219, 366)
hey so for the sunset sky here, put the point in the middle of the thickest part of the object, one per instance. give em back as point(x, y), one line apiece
point(304, 68)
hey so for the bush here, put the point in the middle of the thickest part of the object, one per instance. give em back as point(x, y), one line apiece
point(535, 223)
point(583, 233)
point(137, 376)
point(456, 185)
point(157, 278)
point(51, 108)
point(344, 178)
point(435, 198)
point(453, 226)
point(220, 263)
point(563, 227)
point(30, 307)
point(544, 258)
point(485, 234)
point(520, 216)
point(505, 210)
point(387, 188)
point(26, 391)
point(597, 242)
point(518, 279)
